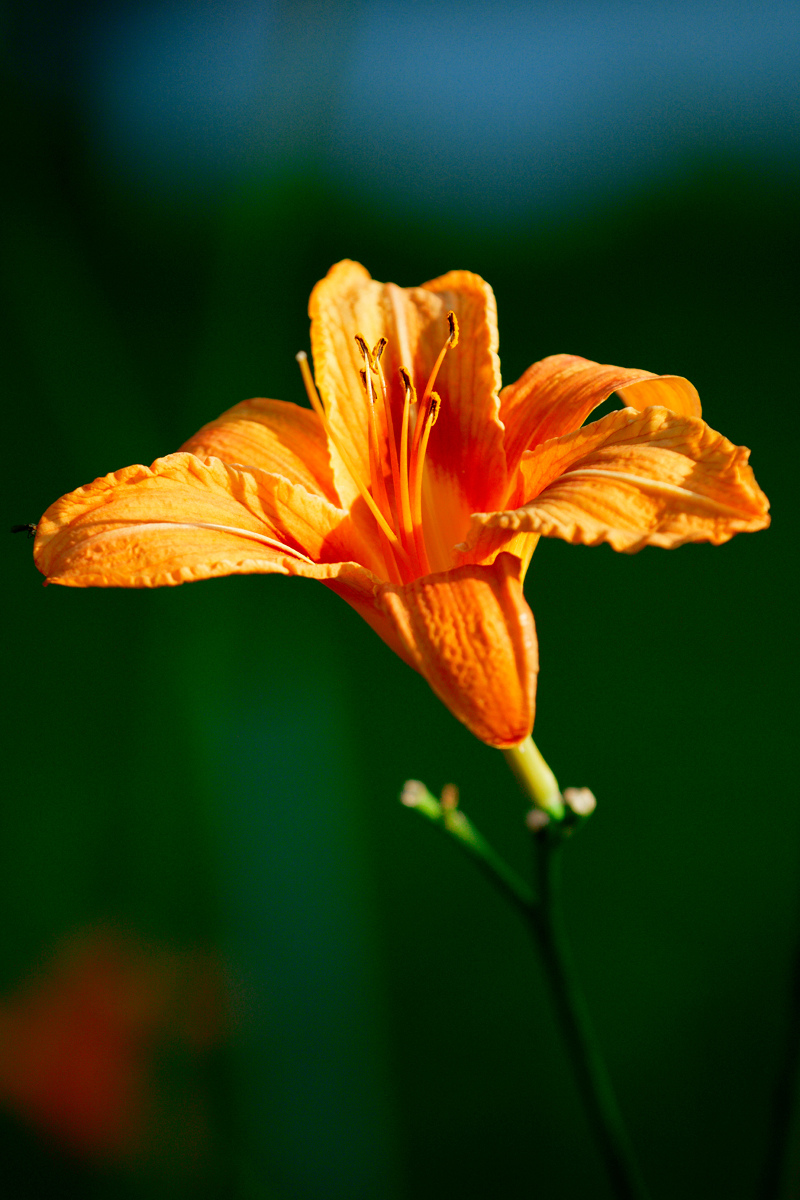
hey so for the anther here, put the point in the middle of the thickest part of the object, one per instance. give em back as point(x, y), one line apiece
point(365, 350)
point(408, 385)
point(379, 348)
point(453, 323)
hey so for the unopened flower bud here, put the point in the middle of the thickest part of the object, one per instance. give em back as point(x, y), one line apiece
point(580, 800)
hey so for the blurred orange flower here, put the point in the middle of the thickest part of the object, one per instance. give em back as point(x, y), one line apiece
point(78, 1040)
point(427, 532)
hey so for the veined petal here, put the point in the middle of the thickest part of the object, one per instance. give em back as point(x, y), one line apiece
point(183, 519)
point(467, 449)
point(465, 453)
point(556, 395)
point(274, 436)
point(345, 303)
point(635, 479)
point(470, 633)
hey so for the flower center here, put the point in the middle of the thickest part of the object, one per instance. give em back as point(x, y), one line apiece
point(396, 503)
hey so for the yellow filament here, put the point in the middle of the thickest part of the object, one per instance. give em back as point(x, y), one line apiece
point(316, 404)
point(417, 465)
point(387, 408)
point(405, 502)
point(450, 342)
point(375, 467)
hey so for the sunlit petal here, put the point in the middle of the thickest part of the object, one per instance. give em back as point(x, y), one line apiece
point(467, 449)
point(556, 395)
point(183, 519)
point(274, 436)
point(471, 634)
point(346, 302)
point(635, 479)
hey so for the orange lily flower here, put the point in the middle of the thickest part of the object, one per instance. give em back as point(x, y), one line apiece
point(415, 488)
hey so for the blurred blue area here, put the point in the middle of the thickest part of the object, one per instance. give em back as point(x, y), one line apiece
point(486, 110)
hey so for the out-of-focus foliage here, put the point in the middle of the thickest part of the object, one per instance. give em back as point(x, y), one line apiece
point(212, 771)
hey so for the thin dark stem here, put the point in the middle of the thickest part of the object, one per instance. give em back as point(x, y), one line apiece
point(784, 1101)
point(546, 921)
point(544, 916)
point(456, 825)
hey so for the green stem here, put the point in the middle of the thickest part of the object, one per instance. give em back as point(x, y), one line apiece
point(546, 921)
point(554, 821)
point(535, 778)
point(456, 824)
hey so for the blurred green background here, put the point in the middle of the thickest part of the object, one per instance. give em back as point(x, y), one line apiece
point(201, 782)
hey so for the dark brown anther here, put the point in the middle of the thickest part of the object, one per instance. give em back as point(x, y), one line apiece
point(365, 350)
point(453, 323)
point(407, 384)
point(380, 346)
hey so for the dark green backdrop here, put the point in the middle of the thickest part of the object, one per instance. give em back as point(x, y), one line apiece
point(215, 768)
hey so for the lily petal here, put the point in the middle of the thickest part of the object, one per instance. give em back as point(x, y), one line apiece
point(467, 449)
point(183, 519)
point(634, 479)
point(274, 436)
point(346, 302)
point(556, 395)
point(466, 452)
point(470, 633)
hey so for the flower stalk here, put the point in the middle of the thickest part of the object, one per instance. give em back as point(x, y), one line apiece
point(547, 925)
point(553, 819)
point(536, 778)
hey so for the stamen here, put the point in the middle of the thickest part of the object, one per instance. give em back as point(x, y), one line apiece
point(316, 404)
point(377, 354)
point(452, 341)
point(365, 350)
point(375, 468)
point(377, 482)
point(417, 465)
point(405, 502)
